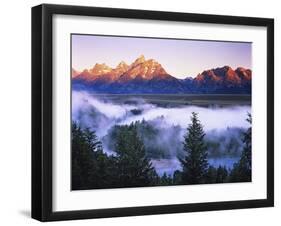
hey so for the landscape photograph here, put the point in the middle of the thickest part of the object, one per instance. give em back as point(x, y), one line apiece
point(159, 112)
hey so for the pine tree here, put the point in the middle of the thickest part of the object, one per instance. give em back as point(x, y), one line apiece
point(242, 171)
point(195, 162)
point(134, 168)
point(84, 165)
point(91, 167)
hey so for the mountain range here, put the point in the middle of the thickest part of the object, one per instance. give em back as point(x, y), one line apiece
point(149, 77)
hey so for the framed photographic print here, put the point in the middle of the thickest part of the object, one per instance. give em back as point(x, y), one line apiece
point(146, 112)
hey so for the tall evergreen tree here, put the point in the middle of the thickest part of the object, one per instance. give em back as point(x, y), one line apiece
point(195, 162)
point(91, 167)
point(84, 166)
point(134, 168)
point(242, 171)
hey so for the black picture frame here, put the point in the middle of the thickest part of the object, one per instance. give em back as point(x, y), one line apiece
point(42, 107)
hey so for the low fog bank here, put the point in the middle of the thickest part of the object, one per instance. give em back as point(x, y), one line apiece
point(162, 129)
point(89, 110)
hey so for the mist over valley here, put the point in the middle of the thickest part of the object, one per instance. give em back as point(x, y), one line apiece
point(162, 125)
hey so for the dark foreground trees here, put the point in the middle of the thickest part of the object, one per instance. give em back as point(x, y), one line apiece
point(92, 168)
point(195, 163)
point(131, 167)
point(216, 175)
point(242, 171)
point(134, 168)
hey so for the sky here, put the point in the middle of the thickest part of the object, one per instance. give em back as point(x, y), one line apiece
point(180, 58)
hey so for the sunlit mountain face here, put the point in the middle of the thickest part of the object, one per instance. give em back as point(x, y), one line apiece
point(149, 76)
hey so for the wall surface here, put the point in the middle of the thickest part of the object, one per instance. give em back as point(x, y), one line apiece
point(15, 92)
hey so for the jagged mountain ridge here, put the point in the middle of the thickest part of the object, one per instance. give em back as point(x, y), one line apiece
point(148, 76)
